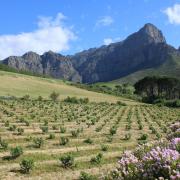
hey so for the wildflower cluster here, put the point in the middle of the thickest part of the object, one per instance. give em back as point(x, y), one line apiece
point(175, 130)
point(155, 160)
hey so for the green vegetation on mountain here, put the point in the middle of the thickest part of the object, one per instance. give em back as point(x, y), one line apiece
point(170, 68)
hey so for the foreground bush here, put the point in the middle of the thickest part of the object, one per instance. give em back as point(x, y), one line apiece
point(26, 165)
point(86, 176)
point(54, 96)
point(157, 160)
point(67, 161)
point(16, 152)
point(63, 141)
point(97, 159)
point(38, 142)
point(3, 144)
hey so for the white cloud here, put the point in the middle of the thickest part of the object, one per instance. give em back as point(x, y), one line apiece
point(107, 41)
point(51, 34)
point(173, 14)
point(105, 21)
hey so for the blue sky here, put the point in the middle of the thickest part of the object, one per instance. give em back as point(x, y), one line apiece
point(69, 26)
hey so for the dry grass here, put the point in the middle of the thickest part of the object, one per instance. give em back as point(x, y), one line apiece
point(18, 85)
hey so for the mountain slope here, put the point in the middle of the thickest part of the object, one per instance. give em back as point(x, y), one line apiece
point(13, 84)
point(143, 50)
point(171, 68)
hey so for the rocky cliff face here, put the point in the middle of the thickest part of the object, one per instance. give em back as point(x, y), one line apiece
point(50, 63)
point(29, 61)
point(146, 48)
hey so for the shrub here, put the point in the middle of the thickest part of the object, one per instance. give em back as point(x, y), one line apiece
point(86, 176)
point(113, 130)
point(143, 137)
point(45, 122)
point(109, 139)
point(54, 96)
point(3, 144)
point(38, 142)
point(75, 133)
point(6, 124)
point(16, 152)
point(121, 103)
point(85, 100)
point(67, 161)
point(63, 141)
point(88, 141)
point(12, 128)
point(104, 147)
point(40, 98)
point(51, 136)
point(28, 138)
point(62, 129)
point(20, 131)
point(27, 123)
point(157, 160)
point(71, 100)
point(97, 159)
point(76, 100)
point(54, 127)
point(128, 126)
point(27, 165)
point(44, 129)
point(127, 136)
point(140, 126)
point(25, 97)
point(175, 144)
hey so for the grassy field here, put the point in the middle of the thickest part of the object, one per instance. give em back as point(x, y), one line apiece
point(19, 85)
point(88, 127)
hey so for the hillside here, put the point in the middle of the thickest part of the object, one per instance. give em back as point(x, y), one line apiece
point(170, 68)
point(14, 84)
point(143, 52)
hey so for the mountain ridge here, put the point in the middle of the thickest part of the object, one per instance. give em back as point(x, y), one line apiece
point(144, 49)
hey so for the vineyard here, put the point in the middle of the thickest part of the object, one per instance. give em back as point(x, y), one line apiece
point(65, 139)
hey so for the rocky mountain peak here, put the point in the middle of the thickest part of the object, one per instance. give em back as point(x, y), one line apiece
point(32, 56)
point(148, 34)
point(152, 33)
point(50, 55)
point(49, 52)
point(143, 49)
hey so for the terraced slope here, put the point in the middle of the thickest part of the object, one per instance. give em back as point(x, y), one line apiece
point(93, 121)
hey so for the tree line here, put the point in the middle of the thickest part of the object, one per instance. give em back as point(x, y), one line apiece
point(155, 87)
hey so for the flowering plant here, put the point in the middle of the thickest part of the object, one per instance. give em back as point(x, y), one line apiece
point(155, 160)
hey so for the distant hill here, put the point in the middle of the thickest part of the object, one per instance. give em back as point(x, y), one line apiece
point(145, 52)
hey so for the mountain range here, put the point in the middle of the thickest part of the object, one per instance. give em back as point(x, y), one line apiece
point(143, 53)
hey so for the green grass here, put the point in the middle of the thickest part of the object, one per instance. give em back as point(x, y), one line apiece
point(170, 68)
point(13, 84)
